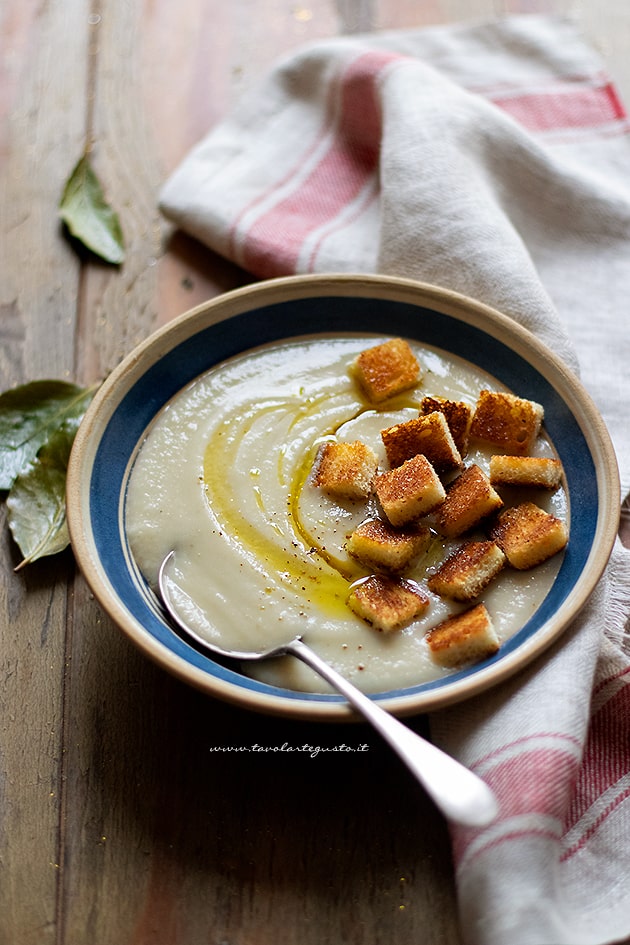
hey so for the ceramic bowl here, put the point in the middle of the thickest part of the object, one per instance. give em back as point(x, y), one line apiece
point(135, 392)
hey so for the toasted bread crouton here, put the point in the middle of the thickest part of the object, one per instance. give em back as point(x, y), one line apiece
point(534, 471)
point(468, 571)
point(463, 638)
point(378, 545)
point(528, 535)
point(427, 435)
point(386, 369)
point(345, 470)
point(458, 417)
point(469, 499)
point(387, 603)
point(409, 491)
point(507, 421)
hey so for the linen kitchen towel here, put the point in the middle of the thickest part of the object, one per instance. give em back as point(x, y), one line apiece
point(491, 158)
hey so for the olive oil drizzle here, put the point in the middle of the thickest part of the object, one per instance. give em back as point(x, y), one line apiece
point(309, 570)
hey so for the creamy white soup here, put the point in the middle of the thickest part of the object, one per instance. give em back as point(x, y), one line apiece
point(223, 479)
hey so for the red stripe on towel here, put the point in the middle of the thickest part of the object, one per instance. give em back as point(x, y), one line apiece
point(524, 740)
point(535, 782)
point(521, 790)
point(593, 827)
point(565, 106)
point(603, 683)
point(273, 243)
point(606, 761)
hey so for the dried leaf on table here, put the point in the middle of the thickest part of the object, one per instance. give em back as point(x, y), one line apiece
point(89, 217)
point(29, 414)
point(36, 504)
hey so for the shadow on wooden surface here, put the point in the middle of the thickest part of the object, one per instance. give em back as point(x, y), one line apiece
point(234, 833)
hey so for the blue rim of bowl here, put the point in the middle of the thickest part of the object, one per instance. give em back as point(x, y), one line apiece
point(278, 311)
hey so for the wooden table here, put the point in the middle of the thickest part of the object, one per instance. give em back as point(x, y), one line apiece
point(118, 824)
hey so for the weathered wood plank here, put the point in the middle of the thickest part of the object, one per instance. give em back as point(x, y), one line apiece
point(118, 304)
point(199, 58)
point(42, 126)
point(42, 136)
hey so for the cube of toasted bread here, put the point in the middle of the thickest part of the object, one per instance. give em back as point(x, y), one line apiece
point(469, 499)
point(458, 417)
point(528, 535)
point(409, 491)
point(387, 603)
point(427, 435)
point(533, 471)
point(466, 637)
point(507, 421)
point(468, 571)
point(376, 544)
point(386, 370)
point(345, 470)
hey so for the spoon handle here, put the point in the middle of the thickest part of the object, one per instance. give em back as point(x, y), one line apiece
point(461, 795)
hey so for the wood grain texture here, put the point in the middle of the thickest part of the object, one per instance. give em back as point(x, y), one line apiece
point(120, 821)
point(43, 126)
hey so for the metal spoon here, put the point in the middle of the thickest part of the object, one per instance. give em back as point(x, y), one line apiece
point(461, 795)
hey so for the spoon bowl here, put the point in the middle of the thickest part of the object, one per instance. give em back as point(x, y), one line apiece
point(459, 793)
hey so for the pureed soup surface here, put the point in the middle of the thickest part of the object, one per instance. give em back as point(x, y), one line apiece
point(223, 478)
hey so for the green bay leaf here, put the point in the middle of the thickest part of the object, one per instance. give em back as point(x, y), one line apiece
point(89, 217)
point(36, 504)
point(28, 416)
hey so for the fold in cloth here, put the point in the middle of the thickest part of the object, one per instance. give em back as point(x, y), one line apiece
point(493, 159)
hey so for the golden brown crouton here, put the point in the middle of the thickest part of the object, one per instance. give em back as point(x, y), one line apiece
point(468, 571)
point(536, 471)
point(387, 603)
point(507, 421)
point(409, 491)
point(428, 435)
point(463, 638)
point(345, 470)
point(387, 369)
point(378, 545)
point(458, 416)
point(469, 499)
point(528, 535)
